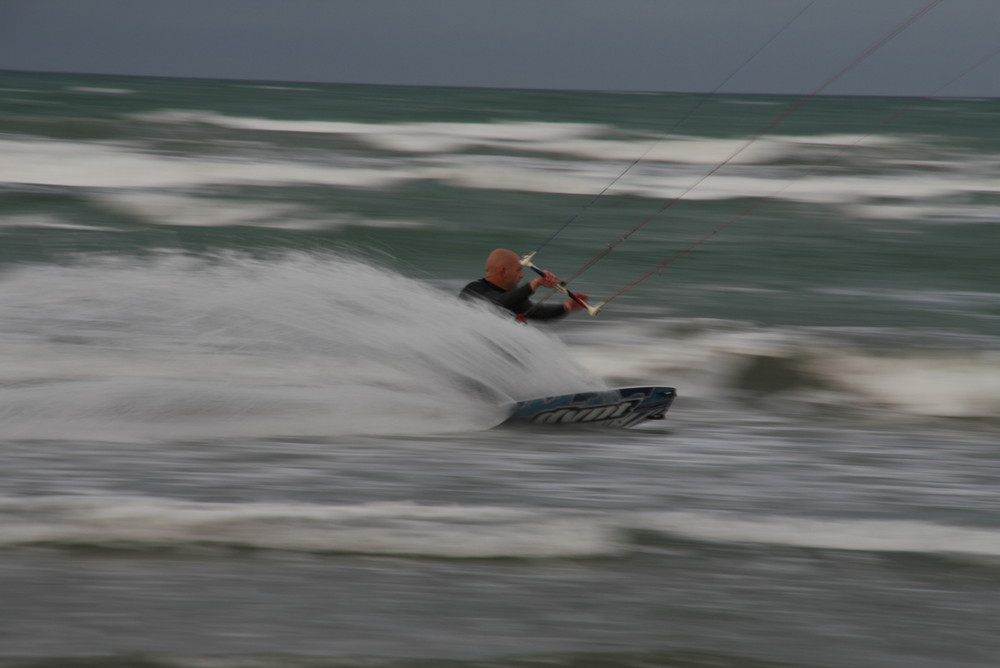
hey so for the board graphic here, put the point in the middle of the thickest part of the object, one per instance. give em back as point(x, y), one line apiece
point(620, 407)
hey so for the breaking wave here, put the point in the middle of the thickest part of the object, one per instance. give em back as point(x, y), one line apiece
point(906, 372)
point(913, 176)
point(453, 531)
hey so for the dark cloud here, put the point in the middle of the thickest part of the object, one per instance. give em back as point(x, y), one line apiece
point(678, 45)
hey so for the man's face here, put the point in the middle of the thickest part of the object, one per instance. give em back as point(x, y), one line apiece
point(512, 275)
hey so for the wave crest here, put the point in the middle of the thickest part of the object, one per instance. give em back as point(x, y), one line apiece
point(455, 532)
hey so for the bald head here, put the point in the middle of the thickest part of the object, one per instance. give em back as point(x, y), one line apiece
point(501, 257)
point(503, 268)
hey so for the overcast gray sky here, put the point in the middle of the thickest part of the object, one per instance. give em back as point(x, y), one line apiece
point(649, 45)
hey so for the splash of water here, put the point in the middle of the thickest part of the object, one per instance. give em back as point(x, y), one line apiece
point(301, 344)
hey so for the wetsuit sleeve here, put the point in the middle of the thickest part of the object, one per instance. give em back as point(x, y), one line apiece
point(516, 301)
point(513, 299)
point(546, 312)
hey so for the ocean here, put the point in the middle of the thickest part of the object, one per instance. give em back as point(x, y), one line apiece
point(245, 421)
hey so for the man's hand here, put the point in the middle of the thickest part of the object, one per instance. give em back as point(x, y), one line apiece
point(547, 279)
point(573, 305)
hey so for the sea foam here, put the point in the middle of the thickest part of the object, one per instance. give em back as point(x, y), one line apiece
point(303, 344)
point(452, 531)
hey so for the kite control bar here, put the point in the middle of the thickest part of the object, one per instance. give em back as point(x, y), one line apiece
point(561, 286)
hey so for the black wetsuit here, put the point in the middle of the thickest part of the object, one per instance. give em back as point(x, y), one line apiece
point(516, 301)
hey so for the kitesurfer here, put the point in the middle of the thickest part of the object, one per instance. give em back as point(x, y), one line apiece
point(501, 287)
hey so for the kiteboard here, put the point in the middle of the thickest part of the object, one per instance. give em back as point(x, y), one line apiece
point(620, 407)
